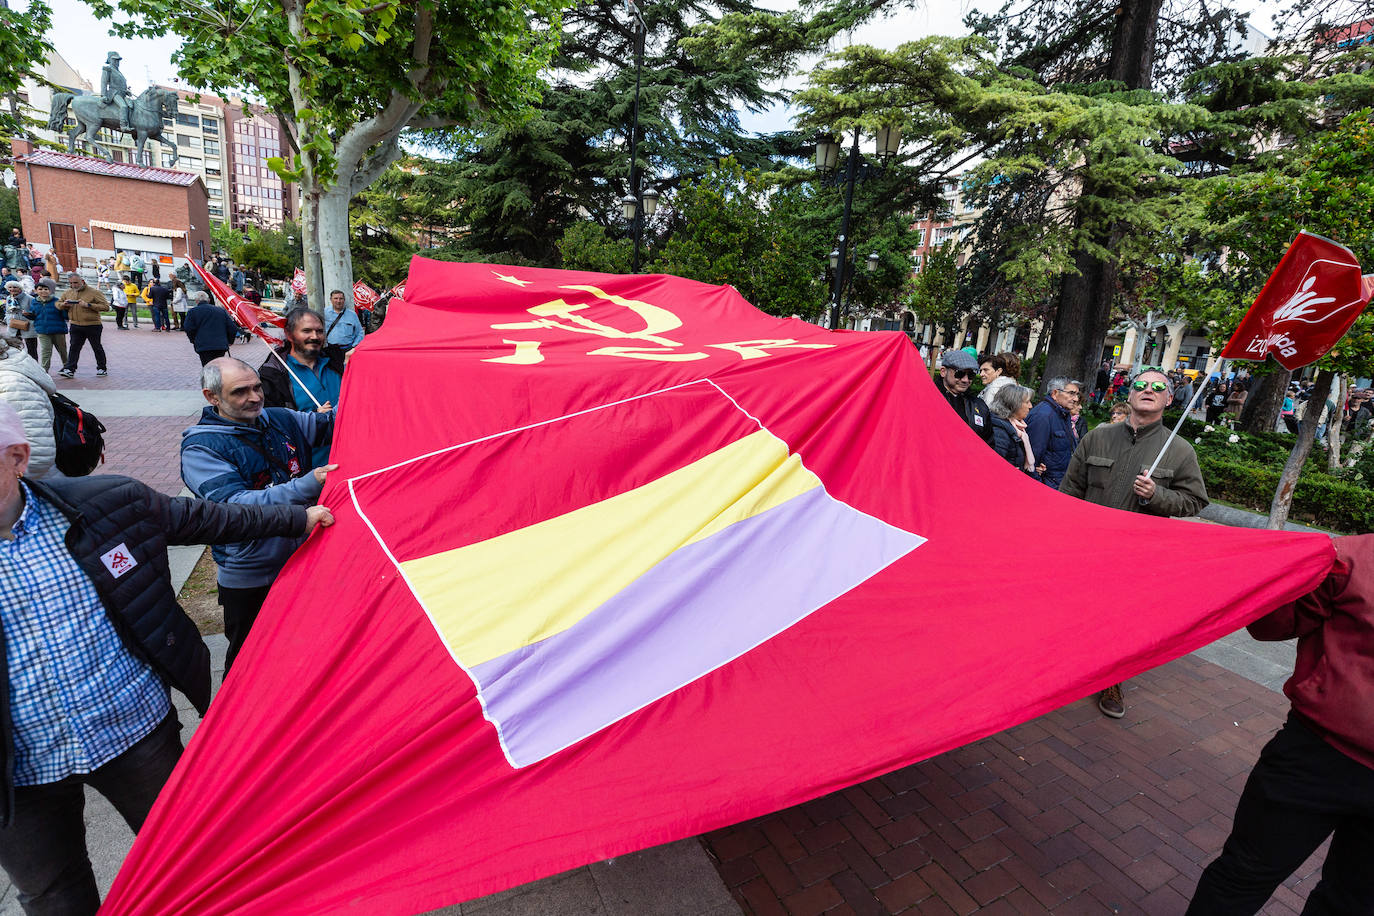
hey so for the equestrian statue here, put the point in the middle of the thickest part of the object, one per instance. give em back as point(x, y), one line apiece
point(116, 109)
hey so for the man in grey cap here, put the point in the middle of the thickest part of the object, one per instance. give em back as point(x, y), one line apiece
point(957, 370)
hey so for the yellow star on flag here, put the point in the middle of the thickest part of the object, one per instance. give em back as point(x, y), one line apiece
point(510, 279)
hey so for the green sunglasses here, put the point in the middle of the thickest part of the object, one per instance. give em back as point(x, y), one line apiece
point(1153, 386)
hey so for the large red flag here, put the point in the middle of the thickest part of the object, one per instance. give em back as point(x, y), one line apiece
point(1308, 303)
point(620, 559)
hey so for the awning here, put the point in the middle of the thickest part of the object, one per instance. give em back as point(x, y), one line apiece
point(140, 230)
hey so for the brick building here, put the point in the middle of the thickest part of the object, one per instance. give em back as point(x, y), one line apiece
point(86, 209)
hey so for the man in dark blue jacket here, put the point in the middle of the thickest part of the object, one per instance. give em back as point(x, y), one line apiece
point(1050, 427)
point(241, 452)
point(210, 328)
point(93, 639)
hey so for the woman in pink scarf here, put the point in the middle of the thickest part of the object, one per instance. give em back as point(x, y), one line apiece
point(1010, 404)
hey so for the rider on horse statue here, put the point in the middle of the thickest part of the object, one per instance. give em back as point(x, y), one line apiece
point(114, 88)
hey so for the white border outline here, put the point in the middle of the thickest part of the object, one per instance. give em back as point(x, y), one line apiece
point(481, 699)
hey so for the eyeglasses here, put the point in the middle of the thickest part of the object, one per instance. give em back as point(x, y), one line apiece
point(1071, 392)
point(965, 373)
point(1153, 386)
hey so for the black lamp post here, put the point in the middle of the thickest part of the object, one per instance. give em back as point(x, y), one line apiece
point(827, 161)
point(637, 205)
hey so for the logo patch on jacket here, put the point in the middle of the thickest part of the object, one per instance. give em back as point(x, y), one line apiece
point(119, 560)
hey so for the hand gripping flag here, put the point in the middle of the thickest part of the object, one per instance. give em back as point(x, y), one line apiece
point(364, 296)
point(619, 560)
point(1308, 304)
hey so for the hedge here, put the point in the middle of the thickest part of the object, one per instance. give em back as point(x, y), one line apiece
point(1319, 499)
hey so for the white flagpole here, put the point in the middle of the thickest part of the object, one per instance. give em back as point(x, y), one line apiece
point(1221, 371)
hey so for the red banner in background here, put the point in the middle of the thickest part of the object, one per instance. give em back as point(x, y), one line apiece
point(399, 291)
point(250, 317)
point(364, 296)
point(298, 282)
point(1308, 304)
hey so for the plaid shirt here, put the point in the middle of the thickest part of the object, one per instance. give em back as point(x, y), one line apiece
point(78, 697)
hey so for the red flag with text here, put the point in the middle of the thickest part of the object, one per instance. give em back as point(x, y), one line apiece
point(298, 282)
point(680, 564)
point(364, 296)
point(1308, 304)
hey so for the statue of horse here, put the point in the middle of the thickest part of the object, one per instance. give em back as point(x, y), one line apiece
point(91, 114)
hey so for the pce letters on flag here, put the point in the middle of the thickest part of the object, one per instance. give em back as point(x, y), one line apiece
point(1308, 304)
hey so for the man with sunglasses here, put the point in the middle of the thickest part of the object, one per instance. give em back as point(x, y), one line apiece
point(957, 370)
point(1111, 467)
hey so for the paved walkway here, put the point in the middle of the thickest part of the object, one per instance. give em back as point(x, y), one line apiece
point(1068, 813)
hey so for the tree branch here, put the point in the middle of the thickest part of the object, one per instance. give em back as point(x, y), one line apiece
point(377, 163)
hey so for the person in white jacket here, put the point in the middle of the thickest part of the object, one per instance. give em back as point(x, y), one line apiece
point(25, 387)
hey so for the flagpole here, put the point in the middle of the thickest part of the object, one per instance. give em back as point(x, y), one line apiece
point(1221, 373)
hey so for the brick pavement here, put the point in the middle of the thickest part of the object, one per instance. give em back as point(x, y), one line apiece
point(1069, 813)
point(143, 360)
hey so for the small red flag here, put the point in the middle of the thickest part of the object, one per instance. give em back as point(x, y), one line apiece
point(1307, 305)
point(364, 296)
point(246, 314)
point(298, 282)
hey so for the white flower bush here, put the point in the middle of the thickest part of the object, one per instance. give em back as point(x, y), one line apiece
point(1233, 438)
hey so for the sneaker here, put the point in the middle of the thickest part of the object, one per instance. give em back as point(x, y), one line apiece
point(101, 372)
point(1111, 703)
point(67, 373)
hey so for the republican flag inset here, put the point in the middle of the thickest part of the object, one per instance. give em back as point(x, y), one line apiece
point(610, 623)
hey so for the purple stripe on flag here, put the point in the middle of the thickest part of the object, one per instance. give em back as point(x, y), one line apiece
point(699, 608)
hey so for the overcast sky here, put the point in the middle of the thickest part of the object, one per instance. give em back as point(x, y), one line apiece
point(84, 41)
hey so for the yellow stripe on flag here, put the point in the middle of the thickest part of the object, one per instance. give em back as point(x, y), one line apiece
point(498, 595)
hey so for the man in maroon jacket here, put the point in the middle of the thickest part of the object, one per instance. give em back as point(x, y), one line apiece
point(1316, 777)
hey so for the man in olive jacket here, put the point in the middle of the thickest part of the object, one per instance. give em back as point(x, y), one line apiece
point(1111, 467)
point(92, 639)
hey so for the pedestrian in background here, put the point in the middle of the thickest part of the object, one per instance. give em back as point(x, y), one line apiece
point(83, 305)
point(19, 315)
point(50, 322)
point(119, 301)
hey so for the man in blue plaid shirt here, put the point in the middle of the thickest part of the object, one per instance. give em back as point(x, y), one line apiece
point(93, 638)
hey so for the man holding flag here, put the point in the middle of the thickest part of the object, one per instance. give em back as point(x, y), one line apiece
point(1112, 467)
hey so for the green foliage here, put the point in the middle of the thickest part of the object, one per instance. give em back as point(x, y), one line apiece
point(934, 289)
point(587, 246)
point(724, 231)
point(26, 35)
point(9, 212)
point(270, 260)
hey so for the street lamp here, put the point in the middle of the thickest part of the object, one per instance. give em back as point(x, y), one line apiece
point(889, 141)
point(637, 206)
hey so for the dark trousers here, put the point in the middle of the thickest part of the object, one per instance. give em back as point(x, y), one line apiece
point(207, 355)
point(160, 319)
point(78, 335)
point(43, 850)
point(241, 606)
point(31, 344)
point(120, 311)
point(1301, 791)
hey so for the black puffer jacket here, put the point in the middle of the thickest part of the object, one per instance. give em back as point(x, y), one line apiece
point(106, 511)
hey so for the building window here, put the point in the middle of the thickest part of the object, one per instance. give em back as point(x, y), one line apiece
point(212, 147)
point(216, 211)
point(168, 122)
point(210, 125)
point(215, 193)
point(188, 120)
point(212, 170)
point(166, 160)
